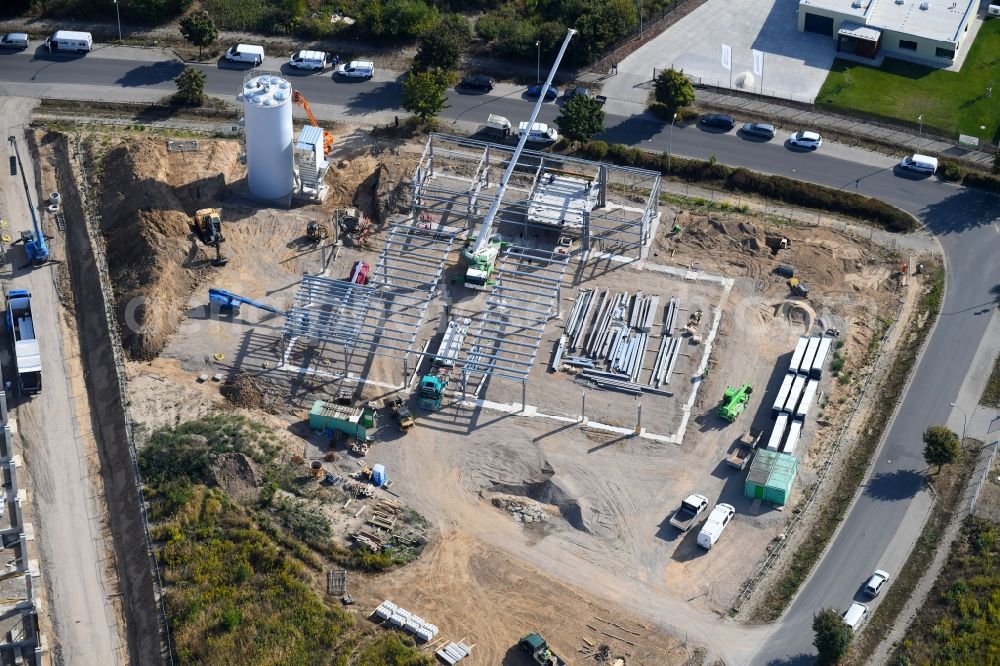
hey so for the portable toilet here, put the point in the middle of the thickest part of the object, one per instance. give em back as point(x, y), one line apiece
point(771, 476)
point(378, 475)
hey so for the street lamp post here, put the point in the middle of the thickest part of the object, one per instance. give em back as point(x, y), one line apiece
point(920, 136)
point(965, 420)
point(538, 67)
point(119, 16)
point(670, 143)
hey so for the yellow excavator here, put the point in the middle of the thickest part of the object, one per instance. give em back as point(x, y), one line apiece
point(207, 226)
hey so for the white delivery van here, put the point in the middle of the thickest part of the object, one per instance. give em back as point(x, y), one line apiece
point(498, 125)
point(250, 54)
point(921, 163)
point(539, 133)
point(855, 615)
point(69, 40)
point(14, 40)
point(308, 60)
point(716, 523)
point(357, 69)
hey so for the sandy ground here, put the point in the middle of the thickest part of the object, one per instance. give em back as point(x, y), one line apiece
point(65, 486)
point(605, 542)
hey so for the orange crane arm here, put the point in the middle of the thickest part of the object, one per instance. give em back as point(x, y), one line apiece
point(300, 99)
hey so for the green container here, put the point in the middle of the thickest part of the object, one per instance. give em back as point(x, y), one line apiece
point(324, 417)
point(771, 476)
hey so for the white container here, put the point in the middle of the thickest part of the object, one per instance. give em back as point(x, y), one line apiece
point(817, 365)
point(807, 358)
point(794, 431)
point(808, 396)
point(782, 397)
point(800, 351)
point(793, 396)
point(267, 113)
point(778, 433)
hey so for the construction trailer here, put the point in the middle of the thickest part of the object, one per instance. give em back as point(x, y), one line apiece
point(771, 476)
point(21, 328)
point(329, 418)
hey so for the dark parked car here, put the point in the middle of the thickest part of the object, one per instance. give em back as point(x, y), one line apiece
point(477, 82)
point(551, 94)
point(762, 130)
point(718, 120)
point(573, 92)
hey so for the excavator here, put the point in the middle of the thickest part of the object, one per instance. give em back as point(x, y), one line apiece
point(300, 99)
point(207, 226)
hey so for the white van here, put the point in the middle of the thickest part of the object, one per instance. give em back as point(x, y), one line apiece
point(716, 523)
point(539, 133)
point(250, 54)
point(308, 60)
point(855, 615)
point(357, 69)
point(14, 40)
point(921, 163)
point(498, 125)
point(69, 40)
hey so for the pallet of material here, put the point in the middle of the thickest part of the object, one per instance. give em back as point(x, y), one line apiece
point(452, 653)
point(389, 505)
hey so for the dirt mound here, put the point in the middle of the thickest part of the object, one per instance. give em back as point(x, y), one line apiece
point(237, 475)
point(147, 195)
point(548, 490)
point(245, 391)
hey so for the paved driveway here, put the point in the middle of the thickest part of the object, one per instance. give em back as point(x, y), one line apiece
point(795, 63)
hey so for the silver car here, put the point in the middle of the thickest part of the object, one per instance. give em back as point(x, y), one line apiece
point(875, 583)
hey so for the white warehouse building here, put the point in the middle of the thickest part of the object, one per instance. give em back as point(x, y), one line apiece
point(928, 30)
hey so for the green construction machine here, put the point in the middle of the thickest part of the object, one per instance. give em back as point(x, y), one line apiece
point(734, 401)
point(481, 264)
point(433, 384)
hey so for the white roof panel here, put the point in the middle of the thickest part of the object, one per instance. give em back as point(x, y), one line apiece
point(28, 357)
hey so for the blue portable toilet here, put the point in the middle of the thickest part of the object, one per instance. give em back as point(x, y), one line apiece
point(378, 475)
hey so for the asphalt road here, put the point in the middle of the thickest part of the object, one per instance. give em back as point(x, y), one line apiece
point(964, 221)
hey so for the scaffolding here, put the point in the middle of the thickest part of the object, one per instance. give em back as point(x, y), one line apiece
point(608, 208)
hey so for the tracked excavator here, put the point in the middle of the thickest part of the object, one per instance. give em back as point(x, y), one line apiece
point(207, 226)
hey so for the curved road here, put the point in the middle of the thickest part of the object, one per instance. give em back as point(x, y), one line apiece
point(964, 222)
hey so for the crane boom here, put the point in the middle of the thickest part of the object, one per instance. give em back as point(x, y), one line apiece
point(301, 100)
point(487, 228)
point(34, 244)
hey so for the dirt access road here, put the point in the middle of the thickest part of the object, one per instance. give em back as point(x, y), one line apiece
point(65, 489)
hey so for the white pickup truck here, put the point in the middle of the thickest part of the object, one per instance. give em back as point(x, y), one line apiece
point(689, 511)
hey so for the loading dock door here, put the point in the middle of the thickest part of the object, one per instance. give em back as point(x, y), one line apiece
point(822, 25)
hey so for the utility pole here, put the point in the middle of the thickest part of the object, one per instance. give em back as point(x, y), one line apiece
point(920, 135)
point(538, 66)
point(670, 143)
point(118, 14)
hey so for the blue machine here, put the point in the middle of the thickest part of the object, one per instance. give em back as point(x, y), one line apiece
point(378, 475)
point(229, 303)
point(34, 242)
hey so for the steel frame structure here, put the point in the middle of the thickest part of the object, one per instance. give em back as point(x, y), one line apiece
point(443, 187)
point(509, 328)
point(382, 317)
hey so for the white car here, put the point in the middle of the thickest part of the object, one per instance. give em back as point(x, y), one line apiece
point(875, 583)
point(716, 523)
point(806, 140)
point(308, 60)
point(855, 615)
point(357, 69)
point(245, 53)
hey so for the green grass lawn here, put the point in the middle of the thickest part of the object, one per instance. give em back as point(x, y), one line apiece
point(951, 102)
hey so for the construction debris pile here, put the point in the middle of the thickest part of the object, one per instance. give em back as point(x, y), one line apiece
point(382, 521)
point(611, 349)
point(244, 391)
point(394, 616)
point(523, 512)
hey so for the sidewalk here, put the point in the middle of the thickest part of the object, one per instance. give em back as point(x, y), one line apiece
point(843, 128)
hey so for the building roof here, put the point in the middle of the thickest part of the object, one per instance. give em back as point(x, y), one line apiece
point(859, 32)
point(938, 20)
point(773, 469)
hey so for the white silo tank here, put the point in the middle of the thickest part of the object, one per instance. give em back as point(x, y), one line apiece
point(267, 114)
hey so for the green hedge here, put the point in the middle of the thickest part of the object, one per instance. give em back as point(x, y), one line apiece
point(786, 190)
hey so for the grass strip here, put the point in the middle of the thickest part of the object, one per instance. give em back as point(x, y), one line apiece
point(991, 394)
point(831, 512)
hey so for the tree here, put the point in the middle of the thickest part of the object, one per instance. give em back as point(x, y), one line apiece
point(673, 89)
point(437, 48)
point(199, 29)
point(424, 93)
point(832, 636)
point(580, 118)
point(941, 446)
point(190, 87)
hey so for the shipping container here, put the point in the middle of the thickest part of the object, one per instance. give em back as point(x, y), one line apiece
point(771, 477)
point(808, 396)
point(774, 442)
point(782, 398)
point(800, 351)
point(792, 438)
point(807, 359)
point(817, 365)
point(793, 396)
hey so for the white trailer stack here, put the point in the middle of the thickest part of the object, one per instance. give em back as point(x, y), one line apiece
point(782, 397)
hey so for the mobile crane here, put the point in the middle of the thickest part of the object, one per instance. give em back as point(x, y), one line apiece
point(482, 255)
point(300, 99)
point(34, 243)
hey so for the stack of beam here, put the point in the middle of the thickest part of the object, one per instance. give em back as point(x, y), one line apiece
point(670, 347)
point(404, 619)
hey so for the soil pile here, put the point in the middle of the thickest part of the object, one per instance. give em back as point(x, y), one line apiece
point(147, 197)
point(237, 475)
point(244, 391)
